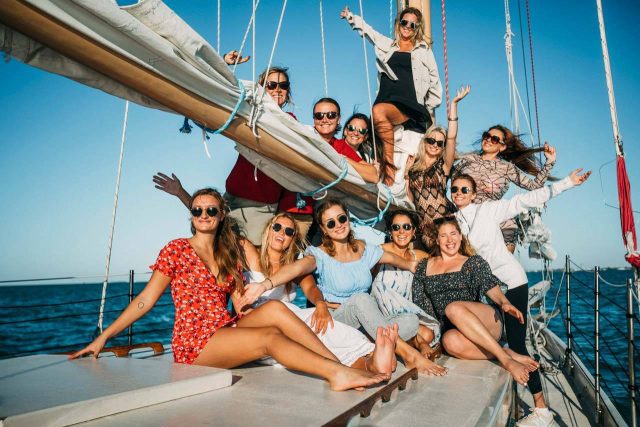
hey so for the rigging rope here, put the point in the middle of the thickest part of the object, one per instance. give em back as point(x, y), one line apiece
point(524, 66)
point(219, 24)
point(533, 73)
point(324, 55)
point(301, 203)
point(251, 23)
point(446, 62)
point(366, 68)
point(370, 222)
point(254, 6)
point(391, 18)
point(113, 221)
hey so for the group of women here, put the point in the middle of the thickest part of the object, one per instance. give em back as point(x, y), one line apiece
point(422, 292)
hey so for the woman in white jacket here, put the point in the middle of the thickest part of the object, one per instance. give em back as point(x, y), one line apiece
point(481, 224)
point(410, 87)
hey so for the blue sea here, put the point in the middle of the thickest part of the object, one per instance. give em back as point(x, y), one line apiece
point(63, 317)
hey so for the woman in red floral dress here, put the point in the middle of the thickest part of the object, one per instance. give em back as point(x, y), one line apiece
point(203, 271)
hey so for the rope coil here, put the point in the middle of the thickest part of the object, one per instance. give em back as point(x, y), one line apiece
point(301, 203)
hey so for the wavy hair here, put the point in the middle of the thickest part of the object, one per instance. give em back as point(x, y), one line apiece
point(228, 252)
point(418, 33)
point(283, 70)
point(517, 152)
point(289, 255)
point(420, 163)
point(327, 242)
point(466, 248)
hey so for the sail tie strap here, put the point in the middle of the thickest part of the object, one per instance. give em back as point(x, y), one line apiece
point(301, 203)
point(370, 222)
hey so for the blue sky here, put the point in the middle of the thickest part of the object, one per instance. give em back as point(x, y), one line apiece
point(60, 141)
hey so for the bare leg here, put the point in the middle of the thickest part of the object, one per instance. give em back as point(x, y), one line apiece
point(413, 359)
point(423, 340)
point(383, 359)
point(385, 117)
point(275, 313)
point(478, 324)
point(231, 347)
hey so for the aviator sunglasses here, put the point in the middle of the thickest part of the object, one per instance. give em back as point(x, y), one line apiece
point(287, 230)
point(408, 24)
point(406, 227)
point(432, 141)
point(331, 115)
point(271, 85)
point(352, 128)
point(332, 222)
point(492, 138)
point(464, 190)
point(211, 211)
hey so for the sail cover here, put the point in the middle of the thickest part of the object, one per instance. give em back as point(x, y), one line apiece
point(152, 39)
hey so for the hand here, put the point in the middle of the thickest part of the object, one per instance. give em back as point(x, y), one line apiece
point(462, 92)
point(511, 310)
point(231, 57)
point(321, 318)
point(549, 152)
point(251, 293)
point(344, 12)
point(578, 179)
point(95, 348)
point(167, 184)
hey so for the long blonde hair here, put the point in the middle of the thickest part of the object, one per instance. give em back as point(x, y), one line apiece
point(228, 252)
point(418, 33)
point(420, 163)
point(289, 255)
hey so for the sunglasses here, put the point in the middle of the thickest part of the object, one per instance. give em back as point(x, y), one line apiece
point(492, 138)
point(331, 115)
point(465, 190)
point(332, 222)
point(271, 85)
point(211, 211)
point(432, 141)
point(408, 24)
point(362, 131)
point(406, 227)
point(287, 230)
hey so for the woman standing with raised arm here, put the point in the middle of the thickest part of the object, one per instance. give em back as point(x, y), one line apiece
point(481, 223)
point(504, 158)
point(410, 88)
point(430, 172)
point(202, 272)
point(342, 268)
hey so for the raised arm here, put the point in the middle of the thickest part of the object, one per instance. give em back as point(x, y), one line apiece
point(508, 208)
point(522, 180)
point(358, 24)
point(172, 185)
point(286, 274)
point(140, 305)
point(452, 130)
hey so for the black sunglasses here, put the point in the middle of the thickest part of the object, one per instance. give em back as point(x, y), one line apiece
point(492, 138)
point(271, 85)
point(341, 219)
point(211, 211)
point(408, 24)
point(352, 128)
point(432, 141)
point(331, 115)
point(465, 190)
point(287, 230)
point(406, 226)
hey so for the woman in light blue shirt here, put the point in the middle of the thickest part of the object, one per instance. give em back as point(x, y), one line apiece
point(342, 266)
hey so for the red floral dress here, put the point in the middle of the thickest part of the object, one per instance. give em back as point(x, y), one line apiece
point(200, 301)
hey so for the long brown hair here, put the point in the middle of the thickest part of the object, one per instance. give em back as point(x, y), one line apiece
point(289, 255)
point(517, 151)
point(228, 252)
point(327, 242)
point(262, 78)
point(466, 248)
point(418, 33)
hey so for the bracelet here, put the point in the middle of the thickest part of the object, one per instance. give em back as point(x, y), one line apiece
point(270, 281)
point(451, 119)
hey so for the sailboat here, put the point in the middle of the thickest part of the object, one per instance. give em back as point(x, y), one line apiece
point(173, 85)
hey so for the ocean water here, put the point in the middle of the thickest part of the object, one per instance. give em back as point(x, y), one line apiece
point(63, 317)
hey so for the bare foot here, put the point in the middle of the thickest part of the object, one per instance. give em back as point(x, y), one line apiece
point(518, 371)
point(348, 378)
point(392, 335)
point(527, 361)
point(383, 354)
point(425, 366)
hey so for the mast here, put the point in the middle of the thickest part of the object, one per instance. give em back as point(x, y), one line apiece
point(425, 7)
